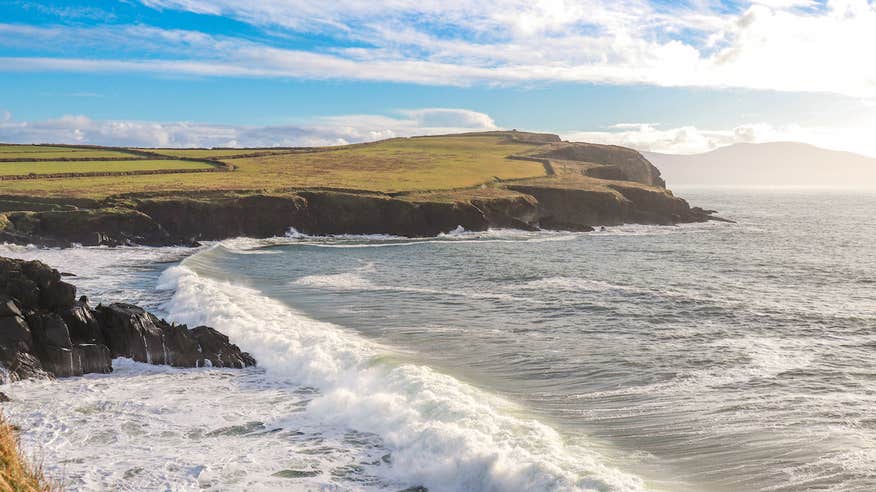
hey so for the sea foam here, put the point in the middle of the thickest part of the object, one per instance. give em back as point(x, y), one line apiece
point(440, 432)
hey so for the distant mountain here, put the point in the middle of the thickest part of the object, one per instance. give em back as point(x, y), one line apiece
point(773, 164)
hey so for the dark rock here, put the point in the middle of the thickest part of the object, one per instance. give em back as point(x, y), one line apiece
point(4, 398)
point(82, 324)
point(94, 358)
point(23, 365)
point(77, 360)
point(182, 348)
point(15, 337)
point(216, 348)
point(9, 306)
point(59, 336)
point(35, 285)
point(132, 332)
point(62, 362)
point(49, 329)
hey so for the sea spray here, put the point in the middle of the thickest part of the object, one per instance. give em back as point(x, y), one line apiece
point(441, 432)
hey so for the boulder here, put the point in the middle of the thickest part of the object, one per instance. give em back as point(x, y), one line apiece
point(45, 332)
point(216, 348)
point(49, 330)
point(15, 337)
point(23, 365)
point(9, 306)
point(132, 332)
point(94, 358)
point(82, 323)
point(182, 348)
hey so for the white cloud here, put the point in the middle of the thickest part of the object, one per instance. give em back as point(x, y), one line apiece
point(785, 45)
point(333, 130)
point(693, 140)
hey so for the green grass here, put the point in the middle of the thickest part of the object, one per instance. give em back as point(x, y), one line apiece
point(64, 154)
point(398, 165)
point(205, 153)
point(35, 148)
point(54, 167)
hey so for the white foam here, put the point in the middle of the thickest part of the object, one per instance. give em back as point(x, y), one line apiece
point(356, 281)
point(441, 432)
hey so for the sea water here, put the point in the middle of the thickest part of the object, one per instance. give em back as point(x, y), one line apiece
point(705, 357)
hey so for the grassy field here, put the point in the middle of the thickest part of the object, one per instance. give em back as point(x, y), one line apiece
point(55, 167)
point(211, 153)
point(55, 152)
point(64, 154)
point(38, 148)
point(398, 165)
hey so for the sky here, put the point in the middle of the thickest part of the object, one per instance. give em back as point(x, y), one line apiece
point(656, 75)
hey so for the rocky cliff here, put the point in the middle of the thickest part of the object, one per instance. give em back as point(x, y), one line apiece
point(586, 185)
point(45, 332)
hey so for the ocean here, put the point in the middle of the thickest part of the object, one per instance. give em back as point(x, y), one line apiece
point(703, 357)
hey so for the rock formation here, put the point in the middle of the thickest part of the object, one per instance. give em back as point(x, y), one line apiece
point(45, 332)
point(585, 186)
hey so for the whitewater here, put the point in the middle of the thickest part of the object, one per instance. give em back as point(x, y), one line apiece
point(704, 357)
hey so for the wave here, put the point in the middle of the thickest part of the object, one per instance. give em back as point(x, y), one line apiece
point(441, 432)
point(356, 281)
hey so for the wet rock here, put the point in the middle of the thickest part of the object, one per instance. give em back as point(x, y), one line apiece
point(132, 332)
point(93, 358)
point(45, 332)
point(182, 348)
point(23, 365)
point(15, 337)
point(216, 348)
point(4, 398)
point(49, 330)
point(9, 307)
point(82, 324)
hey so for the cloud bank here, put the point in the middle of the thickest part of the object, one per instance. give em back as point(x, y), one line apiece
point(340, 130)
point(784, 45)
point(692, 140)
point(336, 130)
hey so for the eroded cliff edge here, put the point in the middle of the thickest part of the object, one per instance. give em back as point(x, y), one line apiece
point(585, 186)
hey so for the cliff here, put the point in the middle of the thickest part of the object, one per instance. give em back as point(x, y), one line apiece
point(542, 183)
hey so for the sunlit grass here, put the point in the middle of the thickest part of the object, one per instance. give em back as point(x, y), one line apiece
point(54, 167)
point(398, 165)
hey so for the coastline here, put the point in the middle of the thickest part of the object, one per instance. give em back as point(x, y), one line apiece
point(354, 362)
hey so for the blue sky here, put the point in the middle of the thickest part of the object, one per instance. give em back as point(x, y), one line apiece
point(666, 76)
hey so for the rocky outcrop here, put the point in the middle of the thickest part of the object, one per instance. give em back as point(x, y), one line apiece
point(110, 226)
point(581, 208)
point(585, 185)
point(627, 164)
point(185, 221)
point(45, 332)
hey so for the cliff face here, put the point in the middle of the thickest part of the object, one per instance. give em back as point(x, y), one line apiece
point(586, 186)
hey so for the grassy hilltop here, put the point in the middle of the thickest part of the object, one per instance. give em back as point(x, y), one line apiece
point(396, 165)
point(407, 186)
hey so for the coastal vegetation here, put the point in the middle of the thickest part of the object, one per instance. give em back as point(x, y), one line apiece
point(24, 168)
point(416, 186)
point(17, 474)
point(396, 165)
